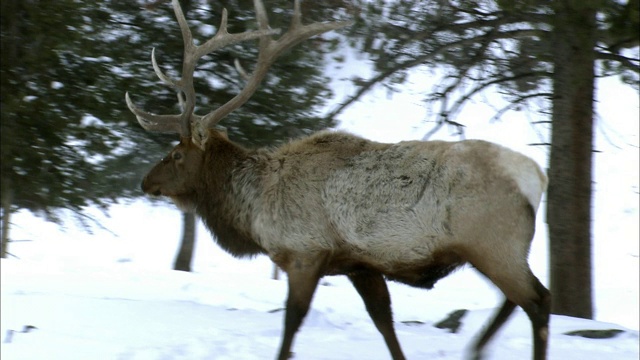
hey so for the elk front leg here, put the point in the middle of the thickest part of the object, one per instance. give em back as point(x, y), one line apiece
point(375, 294)
point(303, 277)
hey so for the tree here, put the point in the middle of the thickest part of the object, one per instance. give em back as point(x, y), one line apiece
point(570, 162)
point(536, 54)
point(64, 144)
point(185, 252)
point(42, 162)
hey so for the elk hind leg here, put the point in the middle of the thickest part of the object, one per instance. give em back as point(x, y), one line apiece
point(539, 312)
point(499, 319)
point(375, 294)
point(523, 289)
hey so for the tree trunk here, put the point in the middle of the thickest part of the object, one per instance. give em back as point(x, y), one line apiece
point(185, 254)
point(569, 194)
point(6, 217)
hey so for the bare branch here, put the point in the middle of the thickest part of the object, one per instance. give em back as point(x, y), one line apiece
point(457, 106)
point(517, 102)
point(484, 38)
point(539, 144)
point(632, 64)
point(496, 21)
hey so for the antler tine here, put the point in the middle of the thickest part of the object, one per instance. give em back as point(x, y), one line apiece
point(224, 38)
point(261, 15)
point(187, 38)
point(185, 84)
point(269, 51)
point(298, 32)
point(167, 80)
point(296, 18)
point(154, 122)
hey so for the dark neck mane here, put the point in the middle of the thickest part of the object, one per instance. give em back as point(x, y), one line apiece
point(221, 204)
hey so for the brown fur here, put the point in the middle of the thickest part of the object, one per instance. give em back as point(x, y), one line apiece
point(333, 203)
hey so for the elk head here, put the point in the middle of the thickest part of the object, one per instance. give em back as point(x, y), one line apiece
point(174, 175)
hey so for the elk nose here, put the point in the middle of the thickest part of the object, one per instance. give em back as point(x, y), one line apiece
point(150, 189)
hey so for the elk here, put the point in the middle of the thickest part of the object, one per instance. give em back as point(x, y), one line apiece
point(337, 204)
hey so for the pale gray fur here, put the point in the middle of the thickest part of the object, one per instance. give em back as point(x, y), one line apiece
point(392, 204)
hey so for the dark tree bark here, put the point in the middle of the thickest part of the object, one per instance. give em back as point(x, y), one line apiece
point(6, 216)
point(569, 194)
point(185, 254)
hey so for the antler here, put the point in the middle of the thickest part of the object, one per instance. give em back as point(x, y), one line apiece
point(269, 51)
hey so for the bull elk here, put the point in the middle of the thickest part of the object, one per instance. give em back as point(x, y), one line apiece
point(333, 203)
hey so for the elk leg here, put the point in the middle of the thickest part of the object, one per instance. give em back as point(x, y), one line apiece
point(501, 316)
point(303, 279)
point(521, 288)
point(375, 294)
point(539, 312)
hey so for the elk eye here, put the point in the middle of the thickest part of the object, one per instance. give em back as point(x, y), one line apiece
point(177, 156)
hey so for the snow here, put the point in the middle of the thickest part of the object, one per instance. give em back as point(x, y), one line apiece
point(110, 294)
point(106, 297)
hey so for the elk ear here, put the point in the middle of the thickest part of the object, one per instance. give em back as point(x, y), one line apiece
point(199, 135)
point(200, 141)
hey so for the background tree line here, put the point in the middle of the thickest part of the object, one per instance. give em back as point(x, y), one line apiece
point(68, 140)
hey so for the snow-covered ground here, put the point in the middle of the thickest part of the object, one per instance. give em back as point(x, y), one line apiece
point(110, 294)
point(96, 301)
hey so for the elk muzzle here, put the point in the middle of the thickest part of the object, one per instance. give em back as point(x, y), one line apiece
point(148, 188)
